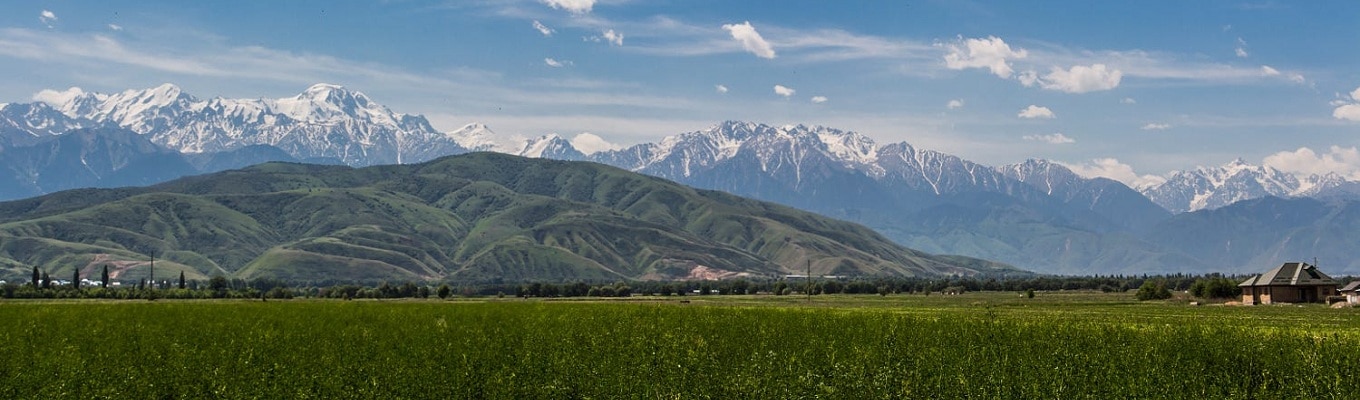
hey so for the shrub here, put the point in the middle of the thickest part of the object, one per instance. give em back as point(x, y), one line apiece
point(1153, 291)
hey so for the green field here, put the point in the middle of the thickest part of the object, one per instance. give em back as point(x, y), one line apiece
point(977, 345)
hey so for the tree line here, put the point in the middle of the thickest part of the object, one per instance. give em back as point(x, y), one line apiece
point(1146, 287)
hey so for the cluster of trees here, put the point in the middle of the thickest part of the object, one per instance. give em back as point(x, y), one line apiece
point(1147, 287)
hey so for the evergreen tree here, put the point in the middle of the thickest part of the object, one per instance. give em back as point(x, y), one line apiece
point(46, 280)
point(37, 278)
point(104, 278)
point(75, 280)
point(181, 279)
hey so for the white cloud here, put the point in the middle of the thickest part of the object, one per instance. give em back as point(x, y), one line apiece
point(572, 6)
point(1305, 161)
point(991, 53)
point(590, 143)
point(1297, 78)
point(720, 88)
point(116, 27)
point(750, 39)
point(1082, 79)
point(1268, 71)
point(556, 63)
point(1241, 49)
point(818, 99)
point(1034, 111)
point(54, 97)
point(544, 29)
point(1152, 126)
point(1028, 78)
point(614, 38)
point(1113, 169)
point(1056, 138)
point(1128, 100)
point(783, 90)
point(954, 104)
point(1348, 107)
point(1349, 112)
point(47, 17)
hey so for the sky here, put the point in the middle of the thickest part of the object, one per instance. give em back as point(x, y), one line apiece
point(1118, 89)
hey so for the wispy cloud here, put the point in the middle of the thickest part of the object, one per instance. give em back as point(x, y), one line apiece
point(1151, 126)
point(1056, 138)
point(954, 104)
point(47, 17)
point(720, 88)
point(543, 29)
point(818, 99)
point(115, 27)
point(552, 62)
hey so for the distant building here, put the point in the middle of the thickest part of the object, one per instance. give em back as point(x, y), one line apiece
point(1292, 282)
point(1352, 292)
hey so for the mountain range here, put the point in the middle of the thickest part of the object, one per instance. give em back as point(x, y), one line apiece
point(1038, 214)
point(481, 217)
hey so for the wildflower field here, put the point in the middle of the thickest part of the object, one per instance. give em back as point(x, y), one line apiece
point(974, 345)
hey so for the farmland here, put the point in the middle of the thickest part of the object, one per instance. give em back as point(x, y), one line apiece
point(992, 345)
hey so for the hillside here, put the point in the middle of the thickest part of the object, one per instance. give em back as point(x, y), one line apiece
point(475, 217)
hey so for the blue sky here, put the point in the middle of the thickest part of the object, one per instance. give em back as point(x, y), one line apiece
point(1113, 88)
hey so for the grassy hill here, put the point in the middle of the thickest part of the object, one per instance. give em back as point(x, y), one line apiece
point(475, 217)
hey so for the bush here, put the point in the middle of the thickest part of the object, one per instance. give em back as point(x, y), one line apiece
point(1153, 291)
point(1215, 288)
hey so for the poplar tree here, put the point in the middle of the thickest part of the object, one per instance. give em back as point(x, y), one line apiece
point(181, 279)
point(75, 280)
point(104, 278)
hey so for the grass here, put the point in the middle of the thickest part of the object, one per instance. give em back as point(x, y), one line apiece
point(992, 345)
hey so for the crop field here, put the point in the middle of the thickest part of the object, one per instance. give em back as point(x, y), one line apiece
point(988, 345)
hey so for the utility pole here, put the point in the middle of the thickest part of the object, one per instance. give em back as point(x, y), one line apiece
point(809, 280)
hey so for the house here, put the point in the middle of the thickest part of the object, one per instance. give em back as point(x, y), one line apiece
point(1292, 282)
point(1352, 292)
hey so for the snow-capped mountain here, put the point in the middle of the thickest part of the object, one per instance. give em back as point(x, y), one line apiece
point(1106, 197)
point(26, 124)
point(325, 121)
point(1213, 187)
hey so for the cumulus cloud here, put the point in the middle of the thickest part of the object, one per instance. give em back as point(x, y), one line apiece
point(614, 38)
point(818, 99)
point(954, 104)
point(544, 29)
point(1128, 100)
point(556, 63)
point(116, 27)
point(1305, 161)
point(1151, 126)
point(590, 143)
point(991, 53)
point(47, 17)
point(750, 39)
point(783, 90)
point(1081, 79)
point(720, 88)
point(55, 97)
point(1348, 107)
point(1056, 138)
point(572, 6)
point(1113, 169)
point(1034, 111)
point(1241, 49)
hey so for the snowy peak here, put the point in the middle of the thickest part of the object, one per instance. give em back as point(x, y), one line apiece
point(479, 137)
point(1214, 187)
point(551, 146)
point(323, 121)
